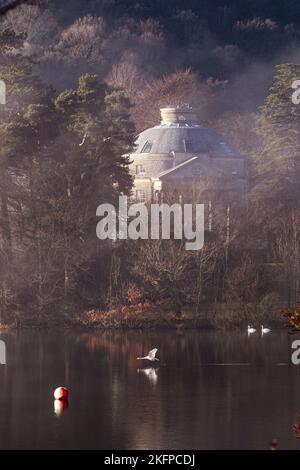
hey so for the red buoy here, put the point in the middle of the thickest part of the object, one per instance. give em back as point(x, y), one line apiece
point(61, 393)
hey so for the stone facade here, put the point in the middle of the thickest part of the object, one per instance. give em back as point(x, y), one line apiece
point(181, 151)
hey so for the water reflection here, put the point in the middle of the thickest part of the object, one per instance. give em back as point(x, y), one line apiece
point(217, 390)
point(60, 406)
point(150, 373)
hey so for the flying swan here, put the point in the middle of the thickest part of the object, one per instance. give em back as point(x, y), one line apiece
point(151, 355)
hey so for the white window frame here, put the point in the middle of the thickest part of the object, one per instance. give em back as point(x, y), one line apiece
point(138, 196)
point(140, 170)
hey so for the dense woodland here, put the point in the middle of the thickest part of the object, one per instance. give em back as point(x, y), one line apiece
point(83, 78)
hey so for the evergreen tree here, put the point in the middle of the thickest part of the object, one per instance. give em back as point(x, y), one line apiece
point(277, 174)
point(278, 160)
point(60, 158)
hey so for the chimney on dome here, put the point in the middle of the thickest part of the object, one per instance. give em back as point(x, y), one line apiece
point(178, 115)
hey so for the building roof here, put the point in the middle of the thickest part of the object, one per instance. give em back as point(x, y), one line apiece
point(177, 167)
point(182, 138)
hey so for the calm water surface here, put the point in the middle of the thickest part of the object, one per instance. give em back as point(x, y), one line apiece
point(210, 390)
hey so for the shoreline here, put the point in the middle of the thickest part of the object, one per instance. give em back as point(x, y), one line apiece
point(137, 317)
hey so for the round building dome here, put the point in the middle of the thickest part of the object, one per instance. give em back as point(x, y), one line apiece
point(179, 150)
point(180, 133)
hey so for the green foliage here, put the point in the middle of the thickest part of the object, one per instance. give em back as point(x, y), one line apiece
point(60, 157)
point(278, 160)
point(62, 153)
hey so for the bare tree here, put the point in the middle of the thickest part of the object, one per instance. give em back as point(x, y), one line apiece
point(287, 249)
point(85, 39)
point(128, 76)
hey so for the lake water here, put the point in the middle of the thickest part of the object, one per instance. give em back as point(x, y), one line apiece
point(210, 390)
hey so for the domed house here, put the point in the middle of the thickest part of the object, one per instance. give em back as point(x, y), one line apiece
point(178, 152)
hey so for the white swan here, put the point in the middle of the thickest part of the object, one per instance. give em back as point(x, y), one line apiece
point(264, 330)
point(151, 355)
point(251, 330)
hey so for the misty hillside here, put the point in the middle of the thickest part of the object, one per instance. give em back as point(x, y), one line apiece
point(236, 42)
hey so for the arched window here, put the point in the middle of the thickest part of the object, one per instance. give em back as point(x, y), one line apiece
point(146, 147)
